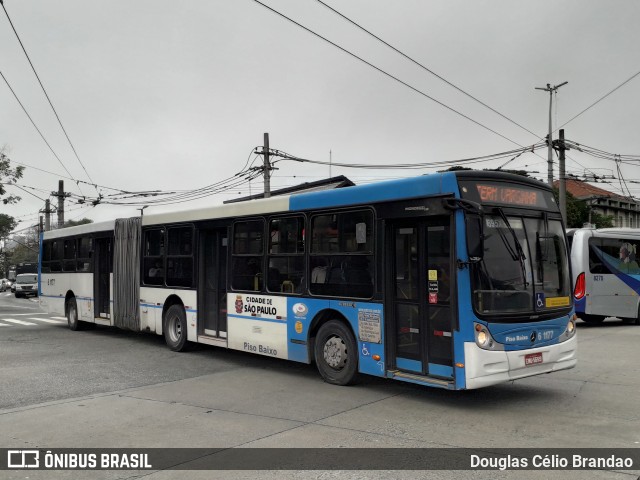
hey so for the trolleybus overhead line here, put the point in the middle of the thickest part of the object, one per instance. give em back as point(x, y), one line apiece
point(286, 156)
point(387, 74)
point(423, 67)
point(36, 127)
point(192, 195)
point(46, 95)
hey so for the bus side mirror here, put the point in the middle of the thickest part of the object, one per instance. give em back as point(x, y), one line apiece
point(475, 237)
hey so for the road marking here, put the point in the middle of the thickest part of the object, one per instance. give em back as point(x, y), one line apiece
point(4, 325)
point(19, 322)
point(21, 314)
point(60, 318)
point(46, 320)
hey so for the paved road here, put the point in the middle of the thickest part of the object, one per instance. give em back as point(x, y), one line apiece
point(109, 388)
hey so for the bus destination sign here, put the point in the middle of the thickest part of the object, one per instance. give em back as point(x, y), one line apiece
point(508, 195)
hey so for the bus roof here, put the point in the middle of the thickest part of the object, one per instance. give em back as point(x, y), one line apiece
point(390, 190)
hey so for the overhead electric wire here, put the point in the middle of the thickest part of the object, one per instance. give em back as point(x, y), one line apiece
point(599, 100)
point(45, 92)
point(428, 69)
point(36, 127)
point(386, 73)
point(286, 156)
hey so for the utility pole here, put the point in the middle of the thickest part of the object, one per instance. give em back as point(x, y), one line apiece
point(47, 215)
point(61, 195)
point(550, 89)
point(563, 178)
point(60, 203)
point(267, 167)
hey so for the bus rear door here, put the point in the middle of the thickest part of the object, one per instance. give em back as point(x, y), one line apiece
point(212, 284)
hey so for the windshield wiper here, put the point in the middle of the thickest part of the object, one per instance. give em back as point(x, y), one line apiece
point(518, 254)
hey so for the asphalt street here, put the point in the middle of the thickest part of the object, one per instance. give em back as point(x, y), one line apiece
point(107, 388)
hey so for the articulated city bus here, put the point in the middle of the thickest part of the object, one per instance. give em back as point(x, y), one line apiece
point(455, 280)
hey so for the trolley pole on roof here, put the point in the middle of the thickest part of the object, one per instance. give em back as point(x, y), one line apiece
point(551, 90)
point(267, 167)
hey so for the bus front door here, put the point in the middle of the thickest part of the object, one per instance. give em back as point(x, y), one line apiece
point(420, 315)
point(212, 290)
point(102, 277)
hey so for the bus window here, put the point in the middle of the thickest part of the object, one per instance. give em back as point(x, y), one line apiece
point(247, 255)
point(180, 257)
point(153, 263)
point(286, 255)
point(69, 263)
point(84, 254)
point(342, 254)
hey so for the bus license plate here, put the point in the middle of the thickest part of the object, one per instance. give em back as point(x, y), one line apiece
point(533, 359)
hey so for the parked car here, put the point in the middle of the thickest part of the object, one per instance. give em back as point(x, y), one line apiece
point(26, 284)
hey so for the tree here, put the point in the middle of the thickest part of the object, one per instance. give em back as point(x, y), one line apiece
point(7, 224)
point(73, 223)
point(8, 176)
point(601, 221)
point(578, 214)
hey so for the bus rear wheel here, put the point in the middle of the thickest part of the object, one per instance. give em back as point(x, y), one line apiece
point(336, 353)
point(175, 328)
point(72, 315)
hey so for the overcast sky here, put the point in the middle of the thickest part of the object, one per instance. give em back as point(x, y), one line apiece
point(165, 95)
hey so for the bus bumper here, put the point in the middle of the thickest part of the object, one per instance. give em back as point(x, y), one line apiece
point(486, 367)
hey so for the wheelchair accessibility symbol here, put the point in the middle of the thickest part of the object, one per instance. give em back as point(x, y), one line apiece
point(539, 300)
point(365, 350)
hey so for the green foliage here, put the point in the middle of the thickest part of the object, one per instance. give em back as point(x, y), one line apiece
point(73, 223)
point(578, 213)
point(601, 221)
point(8, 175)
point(7, 224)
point(26, 253)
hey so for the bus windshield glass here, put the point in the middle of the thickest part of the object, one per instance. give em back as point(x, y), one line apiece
point(525, 268)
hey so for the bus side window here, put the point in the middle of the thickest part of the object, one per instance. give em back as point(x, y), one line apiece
point(247, 255)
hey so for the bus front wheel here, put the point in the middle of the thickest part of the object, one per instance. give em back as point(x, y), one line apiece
point(336, 353)
point(175, 328)
point(72, 315)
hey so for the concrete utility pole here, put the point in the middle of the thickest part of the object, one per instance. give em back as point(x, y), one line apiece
point(47, 215)
point(563, 178)
point(550, 89)
point(267, 167)
point(60, 203)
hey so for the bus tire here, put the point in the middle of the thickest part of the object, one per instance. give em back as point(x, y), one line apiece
point(72, 315)
point(336, 353)
point(592, 319)
point(175, 328)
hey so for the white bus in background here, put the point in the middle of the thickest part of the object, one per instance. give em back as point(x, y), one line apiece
point(606, 273)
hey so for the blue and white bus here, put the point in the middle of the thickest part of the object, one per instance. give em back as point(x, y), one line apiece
point(455, 280)
point(606, 273)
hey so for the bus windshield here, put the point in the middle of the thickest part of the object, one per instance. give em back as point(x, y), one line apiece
point(525, 268)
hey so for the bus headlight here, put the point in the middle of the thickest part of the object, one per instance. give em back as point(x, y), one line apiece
point(484, 339)
point(571, 328)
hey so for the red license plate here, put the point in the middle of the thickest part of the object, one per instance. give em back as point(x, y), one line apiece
point(533, 359)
